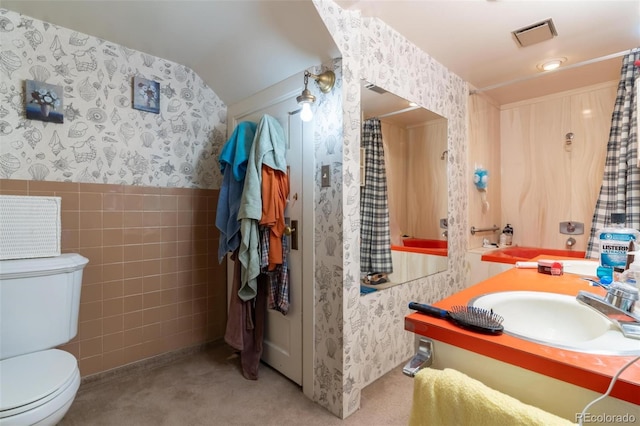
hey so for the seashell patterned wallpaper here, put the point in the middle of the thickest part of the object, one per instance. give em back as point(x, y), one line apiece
point(360, 338)
point(103, 139)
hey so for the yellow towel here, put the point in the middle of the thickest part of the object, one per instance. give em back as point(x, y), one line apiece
point(448, 397)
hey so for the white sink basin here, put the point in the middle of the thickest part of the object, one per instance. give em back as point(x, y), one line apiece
point(557, 320)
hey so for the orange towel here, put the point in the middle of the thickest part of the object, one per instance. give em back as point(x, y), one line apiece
point(275, 190)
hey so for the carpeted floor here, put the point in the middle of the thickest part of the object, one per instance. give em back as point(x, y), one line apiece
point(207, 388)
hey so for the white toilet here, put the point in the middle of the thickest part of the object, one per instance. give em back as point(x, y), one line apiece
point(39, 306)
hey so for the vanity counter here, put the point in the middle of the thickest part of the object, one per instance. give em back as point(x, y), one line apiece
point(590, 371)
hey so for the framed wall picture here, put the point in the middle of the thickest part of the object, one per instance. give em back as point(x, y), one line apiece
point(44, 101)
point(146, 95)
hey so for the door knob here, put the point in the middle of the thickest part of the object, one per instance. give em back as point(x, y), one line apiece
point(288, 230)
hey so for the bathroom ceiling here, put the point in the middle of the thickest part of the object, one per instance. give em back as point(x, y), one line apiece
point(241, 47)
point(473, 39)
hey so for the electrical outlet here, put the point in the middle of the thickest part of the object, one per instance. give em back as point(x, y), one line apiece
point(325, 176)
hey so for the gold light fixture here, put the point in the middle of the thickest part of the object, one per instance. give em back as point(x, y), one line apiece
point(325, 82)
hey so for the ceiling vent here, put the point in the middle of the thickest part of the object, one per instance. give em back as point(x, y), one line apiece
point(535, 33)
point(375, 88)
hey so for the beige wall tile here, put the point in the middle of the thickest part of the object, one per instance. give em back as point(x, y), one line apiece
point(112, 237)
point(113, 202)
point(133, 264)
point(90, 329)
point(111, 307)
point(112, 342)
point(90, 347)
point(133, 286)
point(112, 254)
point(152, 300)
point(152, 235)
point(112, 289)
point(89, 366)
point(133, 202)
point(70, 201)
point(113, 359)
point(90, 201)
point(91, 293)
point(132, 219)
point(152, 218)
point(113, 272)
point(112, 219)
point(133, 252)
point(90, 237)
point(69, 219)
point(132, 320)
point(113, 324)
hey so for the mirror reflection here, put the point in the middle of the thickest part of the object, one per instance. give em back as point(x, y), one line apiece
point(415, 163)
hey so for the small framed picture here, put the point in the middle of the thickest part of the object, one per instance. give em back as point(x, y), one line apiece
point(44, 101)
point(146, 95)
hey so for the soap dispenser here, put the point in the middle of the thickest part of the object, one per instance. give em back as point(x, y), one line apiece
point(506, 238)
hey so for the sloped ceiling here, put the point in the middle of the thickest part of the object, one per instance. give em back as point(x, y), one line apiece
point(237, 47)
point(243, 46)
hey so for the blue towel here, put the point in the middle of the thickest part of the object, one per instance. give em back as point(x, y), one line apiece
point(269, 149)
point(236, 151)
point(235, 154)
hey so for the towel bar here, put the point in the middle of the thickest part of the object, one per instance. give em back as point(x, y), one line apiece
point(423, 358)
point(494, 228)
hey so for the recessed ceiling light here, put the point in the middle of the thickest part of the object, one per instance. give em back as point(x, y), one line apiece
point(551, 64)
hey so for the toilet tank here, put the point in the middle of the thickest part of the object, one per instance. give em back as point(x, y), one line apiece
point(39, 302)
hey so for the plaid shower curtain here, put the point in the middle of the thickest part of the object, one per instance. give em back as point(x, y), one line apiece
point(375, 236)
point(620, 190)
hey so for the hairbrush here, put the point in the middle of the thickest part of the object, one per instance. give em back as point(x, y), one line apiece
point(469, 317)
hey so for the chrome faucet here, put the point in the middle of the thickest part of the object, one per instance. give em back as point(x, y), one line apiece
point(627, 320)
point(602, 306)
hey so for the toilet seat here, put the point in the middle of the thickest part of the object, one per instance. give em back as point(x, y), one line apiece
point(36, 386)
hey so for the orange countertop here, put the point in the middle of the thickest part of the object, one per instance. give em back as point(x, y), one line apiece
point(582, 369)
point(513, 254)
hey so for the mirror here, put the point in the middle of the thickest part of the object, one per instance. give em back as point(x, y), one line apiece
point(415, 152)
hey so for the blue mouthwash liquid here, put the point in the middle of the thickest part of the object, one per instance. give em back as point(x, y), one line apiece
point(615, 242)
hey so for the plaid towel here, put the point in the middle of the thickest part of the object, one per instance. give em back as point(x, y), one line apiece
point(278, 279)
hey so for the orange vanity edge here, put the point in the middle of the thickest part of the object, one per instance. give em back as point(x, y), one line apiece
point(581, 369)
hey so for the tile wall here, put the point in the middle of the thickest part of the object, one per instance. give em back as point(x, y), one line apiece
point(153, 283)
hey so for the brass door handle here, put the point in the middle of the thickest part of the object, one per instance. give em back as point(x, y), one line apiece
point(288, 230)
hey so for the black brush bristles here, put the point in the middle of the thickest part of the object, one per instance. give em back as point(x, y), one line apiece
point(476, 319)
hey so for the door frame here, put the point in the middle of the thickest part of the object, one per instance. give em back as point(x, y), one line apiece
point(287, 89)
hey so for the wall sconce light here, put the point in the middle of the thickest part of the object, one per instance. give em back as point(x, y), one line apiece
point(325, 82)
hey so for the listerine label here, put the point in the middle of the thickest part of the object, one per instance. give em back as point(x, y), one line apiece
point(613, 249)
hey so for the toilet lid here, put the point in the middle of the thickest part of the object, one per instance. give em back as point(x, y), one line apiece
point(27, 378)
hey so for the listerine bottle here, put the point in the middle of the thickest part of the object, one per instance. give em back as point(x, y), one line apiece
point(615, 241)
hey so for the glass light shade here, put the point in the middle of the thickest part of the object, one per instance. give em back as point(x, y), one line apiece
point(306, 114)
point(551, 65)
